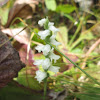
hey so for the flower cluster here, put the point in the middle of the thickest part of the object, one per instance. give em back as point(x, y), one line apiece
point(49, 35)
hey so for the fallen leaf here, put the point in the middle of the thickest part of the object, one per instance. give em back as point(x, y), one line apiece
point(23, 9)
point(23, 37)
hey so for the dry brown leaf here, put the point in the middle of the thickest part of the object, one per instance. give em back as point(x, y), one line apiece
point(23, 9)
point(22, 37)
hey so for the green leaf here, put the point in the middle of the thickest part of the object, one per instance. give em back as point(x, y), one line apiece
point(51, 4)
point(65, 8)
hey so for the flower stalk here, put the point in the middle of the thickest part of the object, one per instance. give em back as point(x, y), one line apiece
point(45, 88)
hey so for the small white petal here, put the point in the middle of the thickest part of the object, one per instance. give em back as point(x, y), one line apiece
point(46, 64)
point(39, 48)
point(53, 56)
point(50, 24)
point(53, 41)
point(53, 29)
point(40, 75)
point(54, 69)
point(42, 22)
point(44, 34)
point(38, 62)
point(44, 48)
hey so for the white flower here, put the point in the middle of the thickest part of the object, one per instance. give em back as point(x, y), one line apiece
point(53, 41)
point(54, 69)
point(50, 24)
point(40, 75)
point(42, 22)
point(53, 29)
point(38, 62)
point(44, 34)
point(44, 48)
point(46, 64)
point(53, 56)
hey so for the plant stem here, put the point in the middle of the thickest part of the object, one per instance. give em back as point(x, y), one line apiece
point(45, 88)
point(75, 65)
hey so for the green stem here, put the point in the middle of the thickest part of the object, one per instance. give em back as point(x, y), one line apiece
point(45, 88)
point(76, 65)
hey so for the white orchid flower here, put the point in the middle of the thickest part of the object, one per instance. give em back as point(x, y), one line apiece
point(39, 48)
point(54, 69)
point(53, 56)
point(54, 29)
point(44, 34)
point(46, 64)
point(40, 75)
point(38, 62)
point(50, 24)
point(42, 22)
point(53, 41)
point(44, 48)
